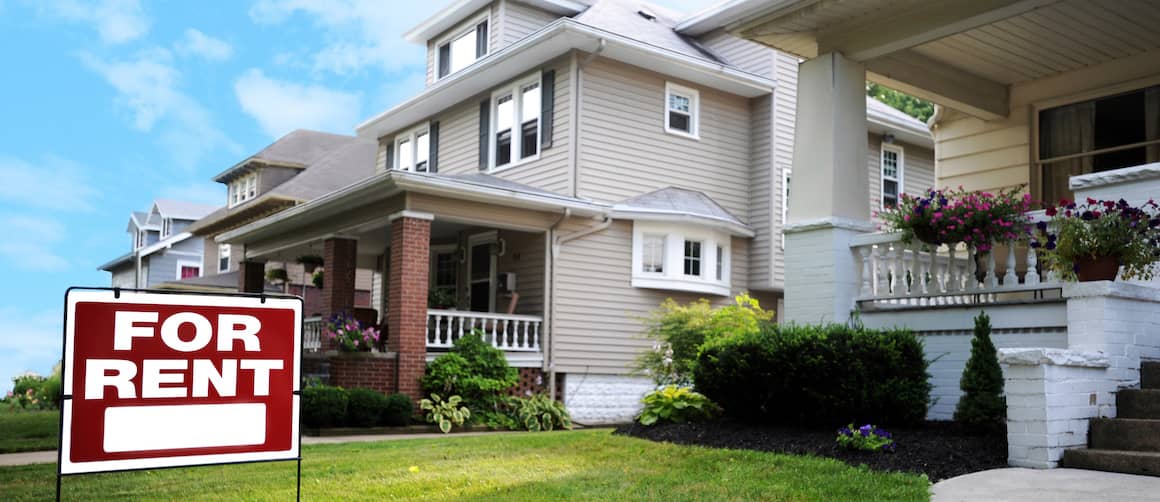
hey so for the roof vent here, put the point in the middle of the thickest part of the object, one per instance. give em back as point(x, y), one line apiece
point(647, 14)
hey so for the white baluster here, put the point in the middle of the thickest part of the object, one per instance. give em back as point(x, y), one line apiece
point(924, 267)
point(908, 269)
point(1032, 276)
point(864, 254)
point(891, 269)
point(882, 282)
point(954, 278)
point(991, 280)
point(1010, 279)
point(536, 335)
point(972, 281)
point(524, 342)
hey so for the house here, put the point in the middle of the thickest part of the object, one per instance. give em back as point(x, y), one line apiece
point(1059, 96)
point(161, 247)
point(296, 168)
point(568, 166)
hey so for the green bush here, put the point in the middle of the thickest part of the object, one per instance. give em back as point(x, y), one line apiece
point(541, 413)
point(398, 410)
point(365, 407)
point(445, 414)
point(677, 405)
point(473, 370)
point(982, 406)
point(34, 392)
point(324, 406)
point(789, 374)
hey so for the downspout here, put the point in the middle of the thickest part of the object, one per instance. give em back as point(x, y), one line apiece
point(556, 243)
point(574, 119)
point(550, 288)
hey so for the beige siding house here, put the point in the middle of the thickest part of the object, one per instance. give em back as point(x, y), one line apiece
point(569, 166)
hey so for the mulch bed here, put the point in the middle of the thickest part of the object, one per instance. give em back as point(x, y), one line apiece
point(940, 449)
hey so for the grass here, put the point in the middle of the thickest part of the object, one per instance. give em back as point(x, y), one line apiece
point(578, 465)
point(28, 430)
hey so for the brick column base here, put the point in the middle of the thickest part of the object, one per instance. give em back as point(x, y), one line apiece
point(407, 298)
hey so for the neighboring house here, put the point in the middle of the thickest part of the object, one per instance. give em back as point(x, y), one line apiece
point(1059, 96)
point(568, 167)
point(161, 247)
point(298, 167)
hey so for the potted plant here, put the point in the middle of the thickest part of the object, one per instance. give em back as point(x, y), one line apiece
point(317, 278)
point(350, 334)
point(310, 262)
point(1093, 240)
point(945, 216)
point(440, 298)
point(277, 275)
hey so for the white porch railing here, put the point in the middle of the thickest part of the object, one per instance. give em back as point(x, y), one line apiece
point(891, 272)
point(312, 334)
point(504, 331)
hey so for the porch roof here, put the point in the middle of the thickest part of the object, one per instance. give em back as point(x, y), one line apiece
point(680, 205)
point(467, 187)
point(964, 55)
point(227, 281)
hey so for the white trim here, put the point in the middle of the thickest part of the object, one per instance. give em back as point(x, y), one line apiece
point(622, 212)
point(407, 213)
point(463, 28)
point(411, 136)
point(229, 259)
point(786, 177)
point(839, 222)
point(242, 189)
point(694, 97)
point(443, 20)
point(187, 263)
point(165, 244)
point(673, 277)
point(899, 168)
point(515, 89)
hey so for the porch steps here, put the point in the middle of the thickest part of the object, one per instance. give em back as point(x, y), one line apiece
point(1129, 443)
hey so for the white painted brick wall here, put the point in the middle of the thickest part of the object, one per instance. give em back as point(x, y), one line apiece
point(604, 399)
point(1120, 320)
point(821, 275)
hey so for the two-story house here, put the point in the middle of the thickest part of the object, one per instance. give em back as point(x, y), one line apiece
point(568, 166)
point(162, 249)
point(298, 167)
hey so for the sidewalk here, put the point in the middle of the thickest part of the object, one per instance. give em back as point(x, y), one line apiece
point(49, 457)
point(1055, 485)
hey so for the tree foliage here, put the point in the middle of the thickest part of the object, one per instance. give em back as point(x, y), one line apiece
point(910, 105)
point(982, 405)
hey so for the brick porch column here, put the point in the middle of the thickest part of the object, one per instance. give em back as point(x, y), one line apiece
point(251, 277)
point(407, 297)
point(339, 258)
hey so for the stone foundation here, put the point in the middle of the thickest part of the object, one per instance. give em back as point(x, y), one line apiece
point(604, 399)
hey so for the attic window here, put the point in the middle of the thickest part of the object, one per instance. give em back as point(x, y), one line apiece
point(647, 14)
point(462, 48)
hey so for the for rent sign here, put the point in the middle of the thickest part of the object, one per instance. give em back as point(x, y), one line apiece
point(162, 380)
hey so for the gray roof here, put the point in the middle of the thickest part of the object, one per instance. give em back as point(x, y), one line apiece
point(227, 280)
point(622, 17)
point(494, 182)
point(894, 113)
point(678, 201)
point(336, 168)
point(300, 147)
point(180, 209)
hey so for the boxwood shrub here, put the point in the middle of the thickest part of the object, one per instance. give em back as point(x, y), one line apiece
point(324, 406)
point(398, 410)
point(828, 374)
point(365, 407)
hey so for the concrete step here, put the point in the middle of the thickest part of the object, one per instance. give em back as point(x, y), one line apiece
point(1138, 403)
point(1150, 374)
point(1133, 434)
point(1127, 462)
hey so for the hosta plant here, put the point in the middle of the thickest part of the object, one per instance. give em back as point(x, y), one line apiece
point(866, 437)
point(541, 413)
point(677, 405)
point(444, 414)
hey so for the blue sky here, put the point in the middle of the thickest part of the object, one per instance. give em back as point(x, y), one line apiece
point(108, 104)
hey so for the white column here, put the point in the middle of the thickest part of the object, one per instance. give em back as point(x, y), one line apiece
point(829, 203)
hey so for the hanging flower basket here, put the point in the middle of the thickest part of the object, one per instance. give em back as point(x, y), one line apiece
point(310, 262)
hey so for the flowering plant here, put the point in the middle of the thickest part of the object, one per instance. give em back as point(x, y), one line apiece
point(866, 437)
point(946, 216)
point(1080, 234)
point(350, 334)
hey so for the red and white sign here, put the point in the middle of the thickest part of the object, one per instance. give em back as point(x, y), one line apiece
point(163, 380)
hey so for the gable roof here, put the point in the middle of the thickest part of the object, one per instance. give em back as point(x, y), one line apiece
point(456, 13)
point(179, 209)
point(680, 204)
point(141, 220)
point(882, 119)
point(298, 148)
point(626, 18)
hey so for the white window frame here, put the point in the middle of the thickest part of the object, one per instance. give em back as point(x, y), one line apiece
point(166, 227)
point(700, 258)
point(901, 152)
point(141, 239)
point(411, 136)
point(664, 249)
point(464, 28)
point(515, 90)
point(242, 189)
point(673, 276)
point(186, 263)
point(224, 250)
point(786, 177)
point(694, 97)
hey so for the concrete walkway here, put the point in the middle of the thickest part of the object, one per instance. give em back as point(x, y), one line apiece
point(49, 457)
point(1055, 485)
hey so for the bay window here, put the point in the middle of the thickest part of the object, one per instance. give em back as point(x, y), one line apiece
point(680, 257)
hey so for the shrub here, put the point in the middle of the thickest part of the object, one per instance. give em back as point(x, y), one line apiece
point(866, 437)
point(365, 407)
point(982, 405)
point(398, 410)
point(541, 413)
point(473, 369)
point(789, 374)
point(677, 405)
point(324, 406)
point(678, 332)
point(34, 392)
point(444, 414)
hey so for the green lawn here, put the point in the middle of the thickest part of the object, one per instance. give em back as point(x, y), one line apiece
point(28, 430)
point(580, 465)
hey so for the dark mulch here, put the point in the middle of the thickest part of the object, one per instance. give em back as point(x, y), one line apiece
point(940, 449)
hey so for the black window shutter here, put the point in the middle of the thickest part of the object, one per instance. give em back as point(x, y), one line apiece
point(547, 107)
point(390, 155)
point(484, 131)
point(481, 40)
point(433, 141)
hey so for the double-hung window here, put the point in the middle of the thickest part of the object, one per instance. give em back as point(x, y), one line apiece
point(680, 257)
point(682, 110)
point(693, 258)
point(720, 263)
point(653, 254)
point(223, 258)
point(413, 150)
point(516, 123)
point(165, 227)
point(892, 166)
point(462, 48)
point(243, 189)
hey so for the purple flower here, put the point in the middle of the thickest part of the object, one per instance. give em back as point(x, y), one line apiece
point(864, 430)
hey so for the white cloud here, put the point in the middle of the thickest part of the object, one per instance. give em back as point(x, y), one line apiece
point(280, 106)
point(30, 343)
point(116, 21)
point(359, 33)
point(34, 249)
point(53, 183)
point(148, 87)
point(199, 44)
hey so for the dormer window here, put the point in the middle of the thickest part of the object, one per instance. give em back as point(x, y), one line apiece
point(165, 227)
point(140, 240)
point(413, 150)
point(462, 48)
point(243, 189)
